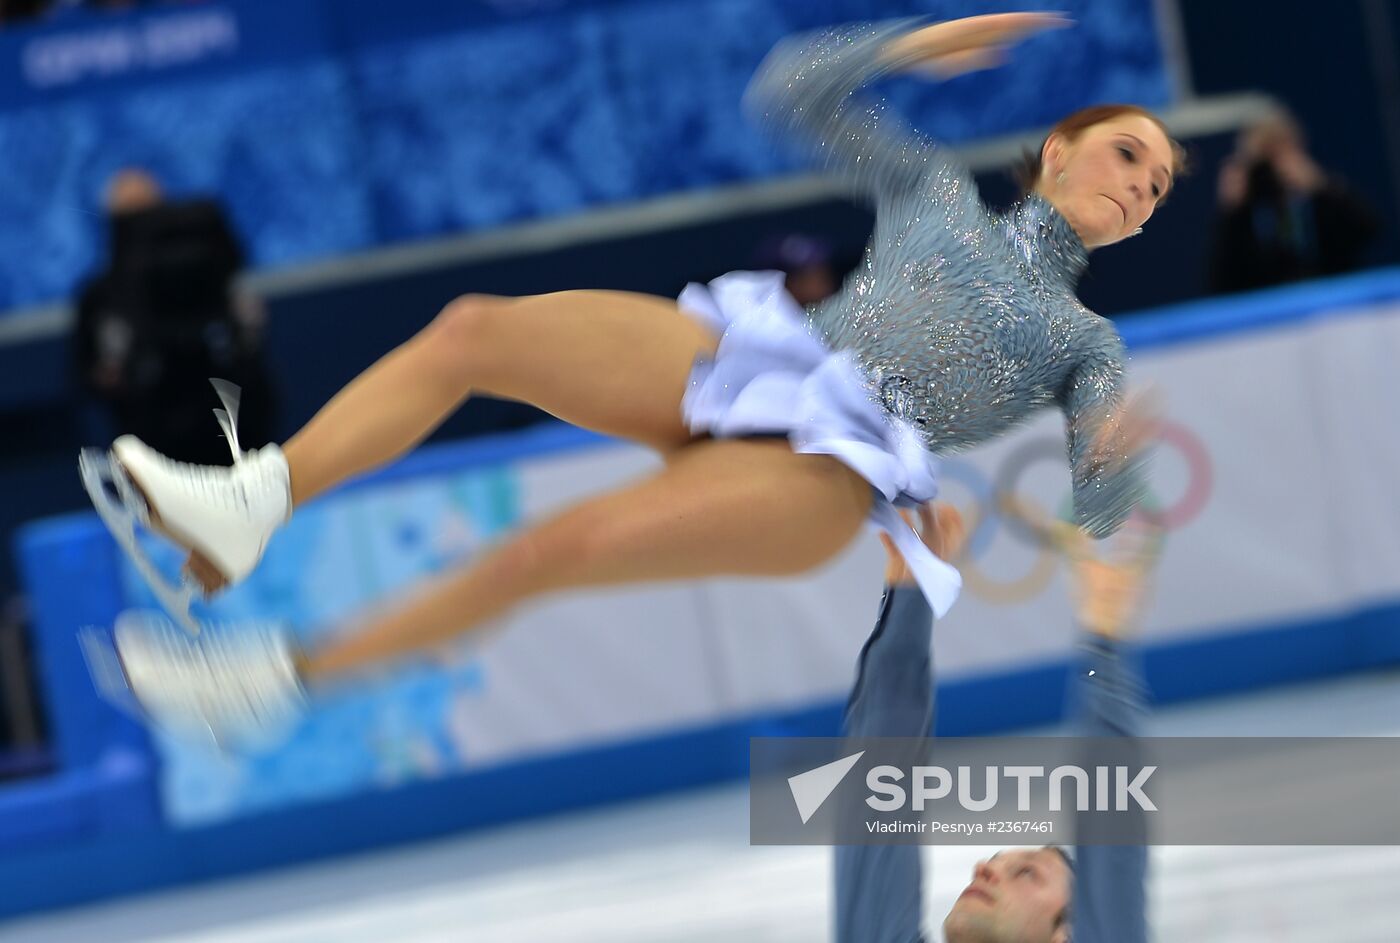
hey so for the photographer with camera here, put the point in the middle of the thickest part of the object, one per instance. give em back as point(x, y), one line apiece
point(1281, 217)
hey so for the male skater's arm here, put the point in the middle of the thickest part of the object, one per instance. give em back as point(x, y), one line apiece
point(879, 887)
point(1110, 893)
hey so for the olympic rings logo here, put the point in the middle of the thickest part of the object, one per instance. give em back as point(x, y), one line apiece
point(989, 515)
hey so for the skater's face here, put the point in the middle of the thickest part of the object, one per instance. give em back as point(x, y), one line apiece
point(1109, 179)
point(1019, 896)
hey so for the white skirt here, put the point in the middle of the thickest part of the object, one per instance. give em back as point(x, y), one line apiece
point(772, 374)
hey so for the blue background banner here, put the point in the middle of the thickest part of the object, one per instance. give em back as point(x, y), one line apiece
point(333, 127)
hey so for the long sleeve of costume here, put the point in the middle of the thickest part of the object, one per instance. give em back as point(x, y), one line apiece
point(893, 692)
point(808, 91)
point(1106, 487)
point(1110, 892)
point(878, 894)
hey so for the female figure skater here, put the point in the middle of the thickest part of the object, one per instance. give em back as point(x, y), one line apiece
point(959, 324)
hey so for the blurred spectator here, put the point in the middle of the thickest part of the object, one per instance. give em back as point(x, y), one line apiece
point(1281, 217)
point(164, 317)
point(807, 262)
point(14, 11)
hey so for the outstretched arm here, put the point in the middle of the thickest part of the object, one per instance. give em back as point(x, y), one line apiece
point(1110, 886)
point(807, 91)
point(1107, 439)
point(1110, 891)
point(879, 897)
point(893, 691)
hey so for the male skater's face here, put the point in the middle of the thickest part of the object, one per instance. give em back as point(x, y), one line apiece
point(1018, 896)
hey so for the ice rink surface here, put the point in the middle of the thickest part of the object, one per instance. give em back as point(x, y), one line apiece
point(679, 869)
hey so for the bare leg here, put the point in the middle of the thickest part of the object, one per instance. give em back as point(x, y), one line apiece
point(614, 362)
point(720, 507)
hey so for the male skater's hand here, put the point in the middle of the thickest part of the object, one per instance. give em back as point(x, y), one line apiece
point(1109, 586)
point(943, 532)
point(1109, 593)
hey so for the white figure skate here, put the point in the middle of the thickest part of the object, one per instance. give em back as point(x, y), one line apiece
point(235, 685)
point(226, 514)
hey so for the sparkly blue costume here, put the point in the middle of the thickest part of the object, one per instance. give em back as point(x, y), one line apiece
point(964, 322)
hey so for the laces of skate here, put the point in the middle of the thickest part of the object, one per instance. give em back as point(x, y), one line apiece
point(212, 485)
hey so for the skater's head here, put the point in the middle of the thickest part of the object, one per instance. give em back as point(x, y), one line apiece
point(132, 190)
point(1106, 169)
point(1020, 895)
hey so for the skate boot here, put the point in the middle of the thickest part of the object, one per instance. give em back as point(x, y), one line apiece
point(236, 685)
point(226, 515)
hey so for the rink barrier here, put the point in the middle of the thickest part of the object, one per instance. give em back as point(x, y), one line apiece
point(82, 836)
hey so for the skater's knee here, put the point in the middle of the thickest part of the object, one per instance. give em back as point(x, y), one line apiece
point(461, 336)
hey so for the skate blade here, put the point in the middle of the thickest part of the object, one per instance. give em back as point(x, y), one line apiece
point(120, 506)
point(108, 678)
